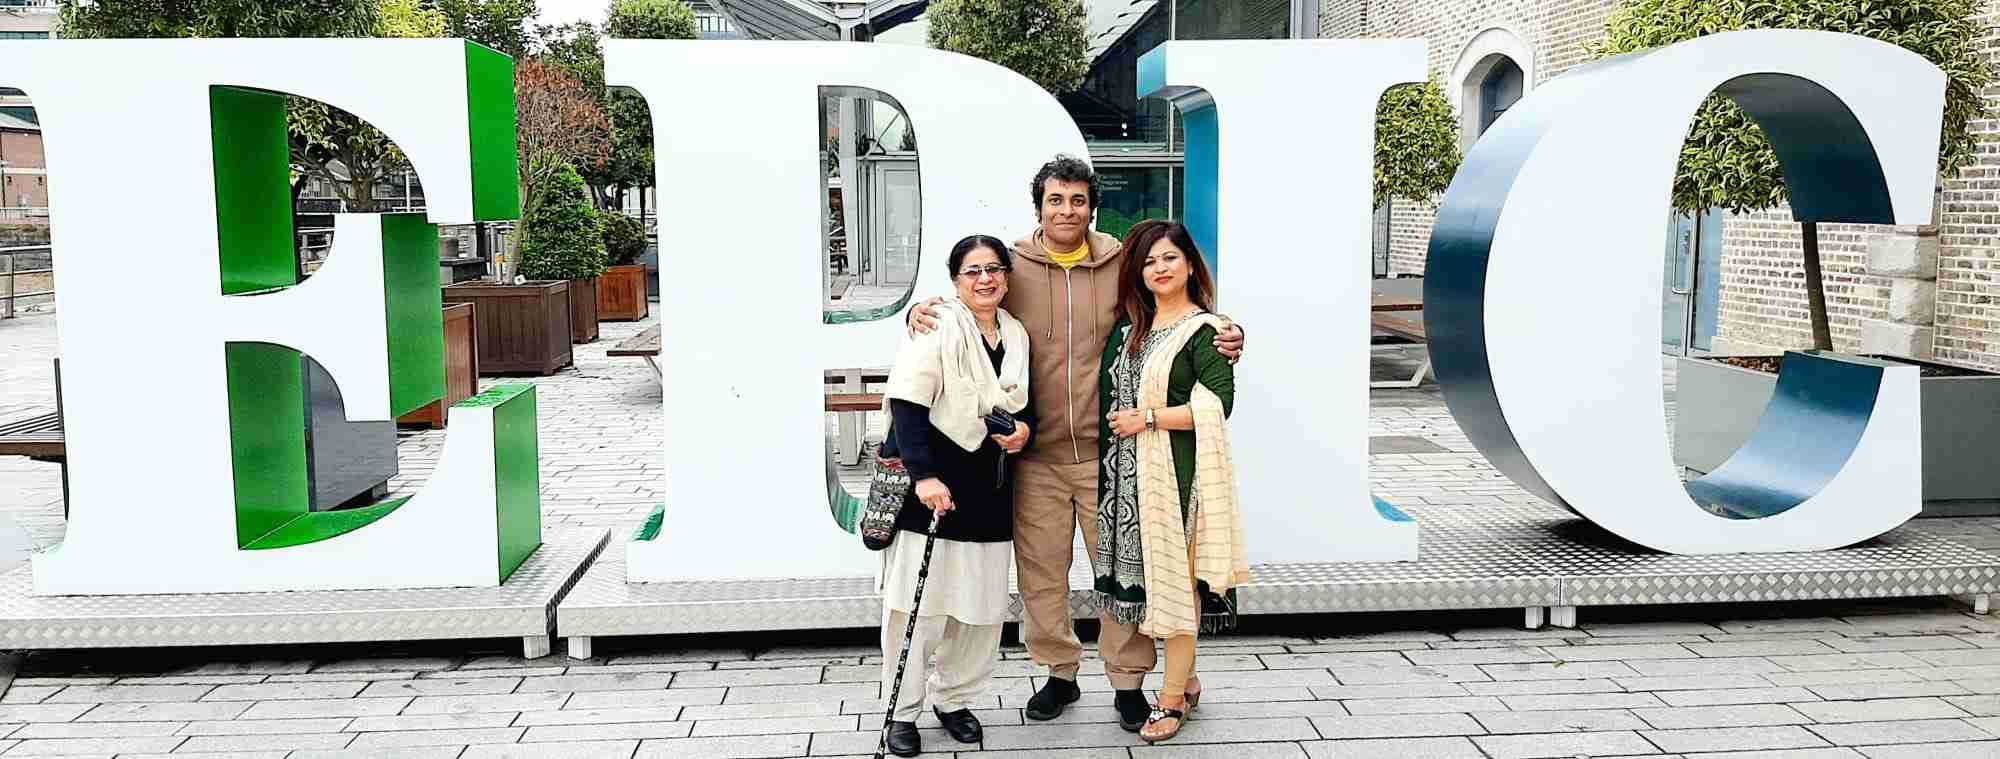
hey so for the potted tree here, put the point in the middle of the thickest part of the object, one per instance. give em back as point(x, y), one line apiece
point(621, 292)
point(563, 239)
point(1728, 164)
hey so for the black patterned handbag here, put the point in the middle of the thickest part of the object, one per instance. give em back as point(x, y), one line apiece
point(888, 487)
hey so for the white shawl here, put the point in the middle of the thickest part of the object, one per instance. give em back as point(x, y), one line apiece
point(948, 372)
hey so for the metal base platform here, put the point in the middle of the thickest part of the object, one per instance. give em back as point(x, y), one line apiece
point(1533, 558)
point(524, 607)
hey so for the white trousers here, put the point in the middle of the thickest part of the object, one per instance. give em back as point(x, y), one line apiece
point(966, 655)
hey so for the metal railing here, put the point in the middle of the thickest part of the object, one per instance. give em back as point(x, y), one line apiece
point(9, 271)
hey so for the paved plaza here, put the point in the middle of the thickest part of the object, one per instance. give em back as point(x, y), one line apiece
point(1882, 680)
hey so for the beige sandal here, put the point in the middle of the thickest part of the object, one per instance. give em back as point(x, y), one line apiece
point(1159, 715)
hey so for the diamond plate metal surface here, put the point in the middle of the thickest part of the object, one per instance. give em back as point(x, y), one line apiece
point(1599, 569)
point(524, 606)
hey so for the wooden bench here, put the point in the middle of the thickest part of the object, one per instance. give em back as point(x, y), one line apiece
point(36, 437)
point(1407, 327)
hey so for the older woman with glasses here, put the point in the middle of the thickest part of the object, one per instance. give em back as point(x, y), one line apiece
point(958, 403)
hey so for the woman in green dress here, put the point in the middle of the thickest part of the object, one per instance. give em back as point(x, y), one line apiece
point(1170, 543)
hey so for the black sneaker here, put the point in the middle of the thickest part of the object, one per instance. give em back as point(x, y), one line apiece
point(1055, 694)
point(1133, 708)
point(961, 725)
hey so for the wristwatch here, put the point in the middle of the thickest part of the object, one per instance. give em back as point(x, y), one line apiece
point(1151, 424)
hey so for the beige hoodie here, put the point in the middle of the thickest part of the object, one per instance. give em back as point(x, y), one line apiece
point(1069, 314)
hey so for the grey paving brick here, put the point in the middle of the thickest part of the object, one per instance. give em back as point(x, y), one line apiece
point(1743, 665)
point(210, 755)
point(1409, 690)
point(1897, 643)
point(1967, 750)
point(1179, 750)
point(511, 702)
point(597, 682)
point(63, 682)
point(388, 664)
point(1610, 652)
point(1887, 690)
point(42, 712)
point(470, 686)
point(737, 747)
point(1325, 660)
point(1534, 687)
point(1482, 656)
point(1734, 738)
point(863, 742)
point(1445, 673)
point(1394, 748)
point(1971, 672)
point(1786, 753)
point(1515, 633)
point(1970, 657)
point(697, 655)
point(1272, 678)
point(113, 694)
point(1075, 753)
point(338, 707)
point(267, 742)
point(1728, 696)
point(100, 746)
point(96, 730)
point(1762, 648)
point(156, 712)
point(1910, 731)
point(339, 677)
point(1851, 677)
point(286, 691)
point(1422, 705)
point(765, 694)
point(621, 730)
point(604, 749)
point(456, 721)
point(673, 697)
point(1988, 724)
point(29, 694)
point(724, 678)
point(1987, 685)
point(1391, 726)
point(1824, 662)
point(1631, 629)
point(438, 737)
point(1559, 721)
point(1558, 670)
point(1747, 715)
point(265, 726)
point(413, 752)
point(1978, 706)
point(1269, 709)
point(823, 724)
point(1564, 745)
point(1879, 710)
point(598, 716)
point(1581, 701)
point(759, 711)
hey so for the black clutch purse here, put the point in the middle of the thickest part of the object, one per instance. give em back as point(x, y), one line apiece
point(1003, 424)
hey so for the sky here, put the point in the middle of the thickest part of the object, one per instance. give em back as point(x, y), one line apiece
point(565, 11)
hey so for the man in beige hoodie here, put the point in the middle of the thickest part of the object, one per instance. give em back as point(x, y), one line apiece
point(1064, 289)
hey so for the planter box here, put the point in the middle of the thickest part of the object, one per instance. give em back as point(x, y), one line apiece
point(621, 294)
point(522, 329)
point(1717, 406)
point(583, 310)
point(461, 367)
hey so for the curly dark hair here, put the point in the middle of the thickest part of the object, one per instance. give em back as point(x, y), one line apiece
point(1066, 168)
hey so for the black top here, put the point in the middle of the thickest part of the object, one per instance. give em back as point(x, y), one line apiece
point(984, 512)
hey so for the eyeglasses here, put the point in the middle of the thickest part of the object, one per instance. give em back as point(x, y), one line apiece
point(973, 272)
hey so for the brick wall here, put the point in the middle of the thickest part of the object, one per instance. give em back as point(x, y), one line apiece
point(1763, 293)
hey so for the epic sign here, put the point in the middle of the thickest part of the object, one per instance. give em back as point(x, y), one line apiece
point(1278, 190)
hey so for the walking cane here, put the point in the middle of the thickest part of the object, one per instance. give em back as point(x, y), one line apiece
point(910, 632)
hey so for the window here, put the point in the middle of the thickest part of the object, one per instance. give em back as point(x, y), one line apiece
point(1498, 92)
point(12, 35)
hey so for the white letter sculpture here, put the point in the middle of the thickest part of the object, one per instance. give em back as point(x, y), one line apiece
point(1278, 195)
point(745, 455)
point(198, 287)
point(1542, 292)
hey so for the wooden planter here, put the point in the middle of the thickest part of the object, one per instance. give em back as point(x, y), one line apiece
point(583, 310)
point(522, 329)
point(621, 294)
point(461, 367)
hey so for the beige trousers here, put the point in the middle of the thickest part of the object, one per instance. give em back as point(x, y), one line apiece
point(1050, 502)
point(966, 655)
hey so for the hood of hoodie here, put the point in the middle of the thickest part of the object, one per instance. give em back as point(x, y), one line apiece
point(1103, 248)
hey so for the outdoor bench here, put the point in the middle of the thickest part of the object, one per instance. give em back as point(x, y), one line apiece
point(1407, 327)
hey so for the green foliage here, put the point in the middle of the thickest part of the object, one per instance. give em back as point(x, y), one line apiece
point(498, 24)
point(1727, 162)
point(1416, 143)
point(411, 19)
point(1043, 40)
point(563, 237)
point(575, 49)
point(1116, 223)
point(650, 20)
point(624, 238)
point(218, 18)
